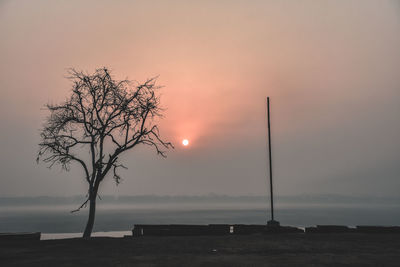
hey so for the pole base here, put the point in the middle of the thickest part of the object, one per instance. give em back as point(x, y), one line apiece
point(273, 223)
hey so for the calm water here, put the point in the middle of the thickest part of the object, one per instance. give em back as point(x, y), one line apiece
point(58, 222)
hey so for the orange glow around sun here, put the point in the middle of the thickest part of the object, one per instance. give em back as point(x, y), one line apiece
point(185, 142)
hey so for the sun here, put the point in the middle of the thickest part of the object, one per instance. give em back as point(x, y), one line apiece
point(185, 142)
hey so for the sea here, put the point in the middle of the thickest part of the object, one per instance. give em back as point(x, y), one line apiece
point(117, 218)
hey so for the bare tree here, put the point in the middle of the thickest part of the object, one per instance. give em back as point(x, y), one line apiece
point(105, 118)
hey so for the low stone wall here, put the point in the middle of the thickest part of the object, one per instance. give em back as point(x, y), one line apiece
point(211, 229)
point(180, 229)
point(20, 236)
point(357, 229)
point(378, 229)
point(248, 229)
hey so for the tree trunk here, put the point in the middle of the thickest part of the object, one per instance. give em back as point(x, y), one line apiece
point(92, 213)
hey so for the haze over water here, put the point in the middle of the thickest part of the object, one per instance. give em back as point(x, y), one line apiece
point(331, 69)
point(120, 215)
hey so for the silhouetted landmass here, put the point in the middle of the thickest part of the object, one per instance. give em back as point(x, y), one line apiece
point(242, 250)
point(307, 199)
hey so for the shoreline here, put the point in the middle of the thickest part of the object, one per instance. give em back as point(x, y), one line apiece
point(346, 249)
point(224, 229)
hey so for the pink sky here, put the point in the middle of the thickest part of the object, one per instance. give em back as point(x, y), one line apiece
point(330, 68)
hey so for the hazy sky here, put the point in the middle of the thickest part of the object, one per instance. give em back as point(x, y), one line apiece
point(331, 68)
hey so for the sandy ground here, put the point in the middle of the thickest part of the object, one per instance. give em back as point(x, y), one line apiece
point(252, 250)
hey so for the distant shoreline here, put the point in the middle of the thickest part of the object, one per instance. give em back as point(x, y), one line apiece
point(210, 198)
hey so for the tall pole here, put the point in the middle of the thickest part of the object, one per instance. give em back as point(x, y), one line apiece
point(270, 162)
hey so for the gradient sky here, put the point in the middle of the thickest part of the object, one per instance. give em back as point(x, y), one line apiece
point(331, 68)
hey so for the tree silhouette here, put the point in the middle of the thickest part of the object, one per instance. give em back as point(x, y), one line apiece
point(104, 118)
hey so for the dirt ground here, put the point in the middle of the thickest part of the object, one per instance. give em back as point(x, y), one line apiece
point(252, 250)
